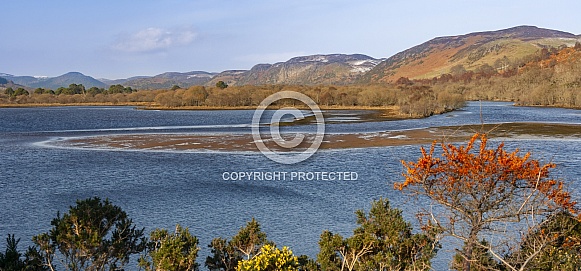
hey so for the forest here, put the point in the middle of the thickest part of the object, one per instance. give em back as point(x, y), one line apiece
point(413, 101)
point(551, 77)
point(506, 208)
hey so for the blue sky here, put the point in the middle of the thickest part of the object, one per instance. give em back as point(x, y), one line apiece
point(118, 39)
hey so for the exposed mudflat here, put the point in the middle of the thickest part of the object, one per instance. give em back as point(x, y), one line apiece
point(246, 142)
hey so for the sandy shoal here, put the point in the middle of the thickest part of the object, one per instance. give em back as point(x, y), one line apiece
point(246, 142)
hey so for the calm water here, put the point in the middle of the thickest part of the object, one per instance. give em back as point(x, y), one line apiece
point(160, 189)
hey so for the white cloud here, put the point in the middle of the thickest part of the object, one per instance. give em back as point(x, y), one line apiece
point(154, 39)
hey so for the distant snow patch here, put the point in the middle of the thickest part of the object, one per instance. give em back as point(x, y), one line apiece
point(199, 76)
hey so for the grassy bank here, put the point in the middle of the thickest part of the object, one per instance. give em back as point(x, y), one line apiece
point(24, 105)
point(378, 112)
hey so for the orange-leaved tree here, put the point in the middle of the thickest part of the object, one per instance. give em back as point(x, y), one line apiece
point(486, 192)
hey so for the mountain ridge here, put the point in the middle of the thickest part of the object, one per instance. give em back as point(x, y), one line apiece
point(430, 59)
point(307, 70)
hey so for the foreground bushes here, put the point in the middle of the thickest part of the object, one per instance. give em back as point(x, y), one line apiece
point(96, 235)
point(383, 240)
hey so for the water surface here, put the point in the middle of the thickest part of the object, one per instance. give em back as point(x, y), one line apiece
point(160, 189)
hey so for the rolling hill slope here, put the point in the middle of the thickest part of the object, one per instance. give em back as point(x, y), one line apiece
point(439, 55)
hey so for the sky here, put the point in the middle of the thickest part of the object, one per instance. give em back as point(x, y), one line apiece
point(117, 39)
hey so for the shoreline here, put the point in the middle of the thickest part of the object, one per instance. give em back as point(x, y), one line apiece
point(379, 113)
point(33, 105)
point(152, 106)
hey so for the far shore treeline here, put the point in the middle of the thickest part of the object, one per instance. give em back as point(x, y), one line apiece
point(546, 78)
point(415, 101)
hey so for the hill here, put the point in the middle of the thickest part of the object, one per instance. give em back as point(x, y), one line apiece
point(55, 82)
point(21, 80)
point(471, 51)
point(333, 69)
point(167, 80)
point(120, 81)
point(5, 83)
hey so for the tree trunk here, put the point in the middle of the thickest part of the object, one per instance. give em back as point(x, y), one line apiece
point(468, 255)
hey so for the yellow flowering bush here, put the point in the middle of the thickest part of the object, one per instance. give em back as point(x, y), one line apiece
point(270, 258)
